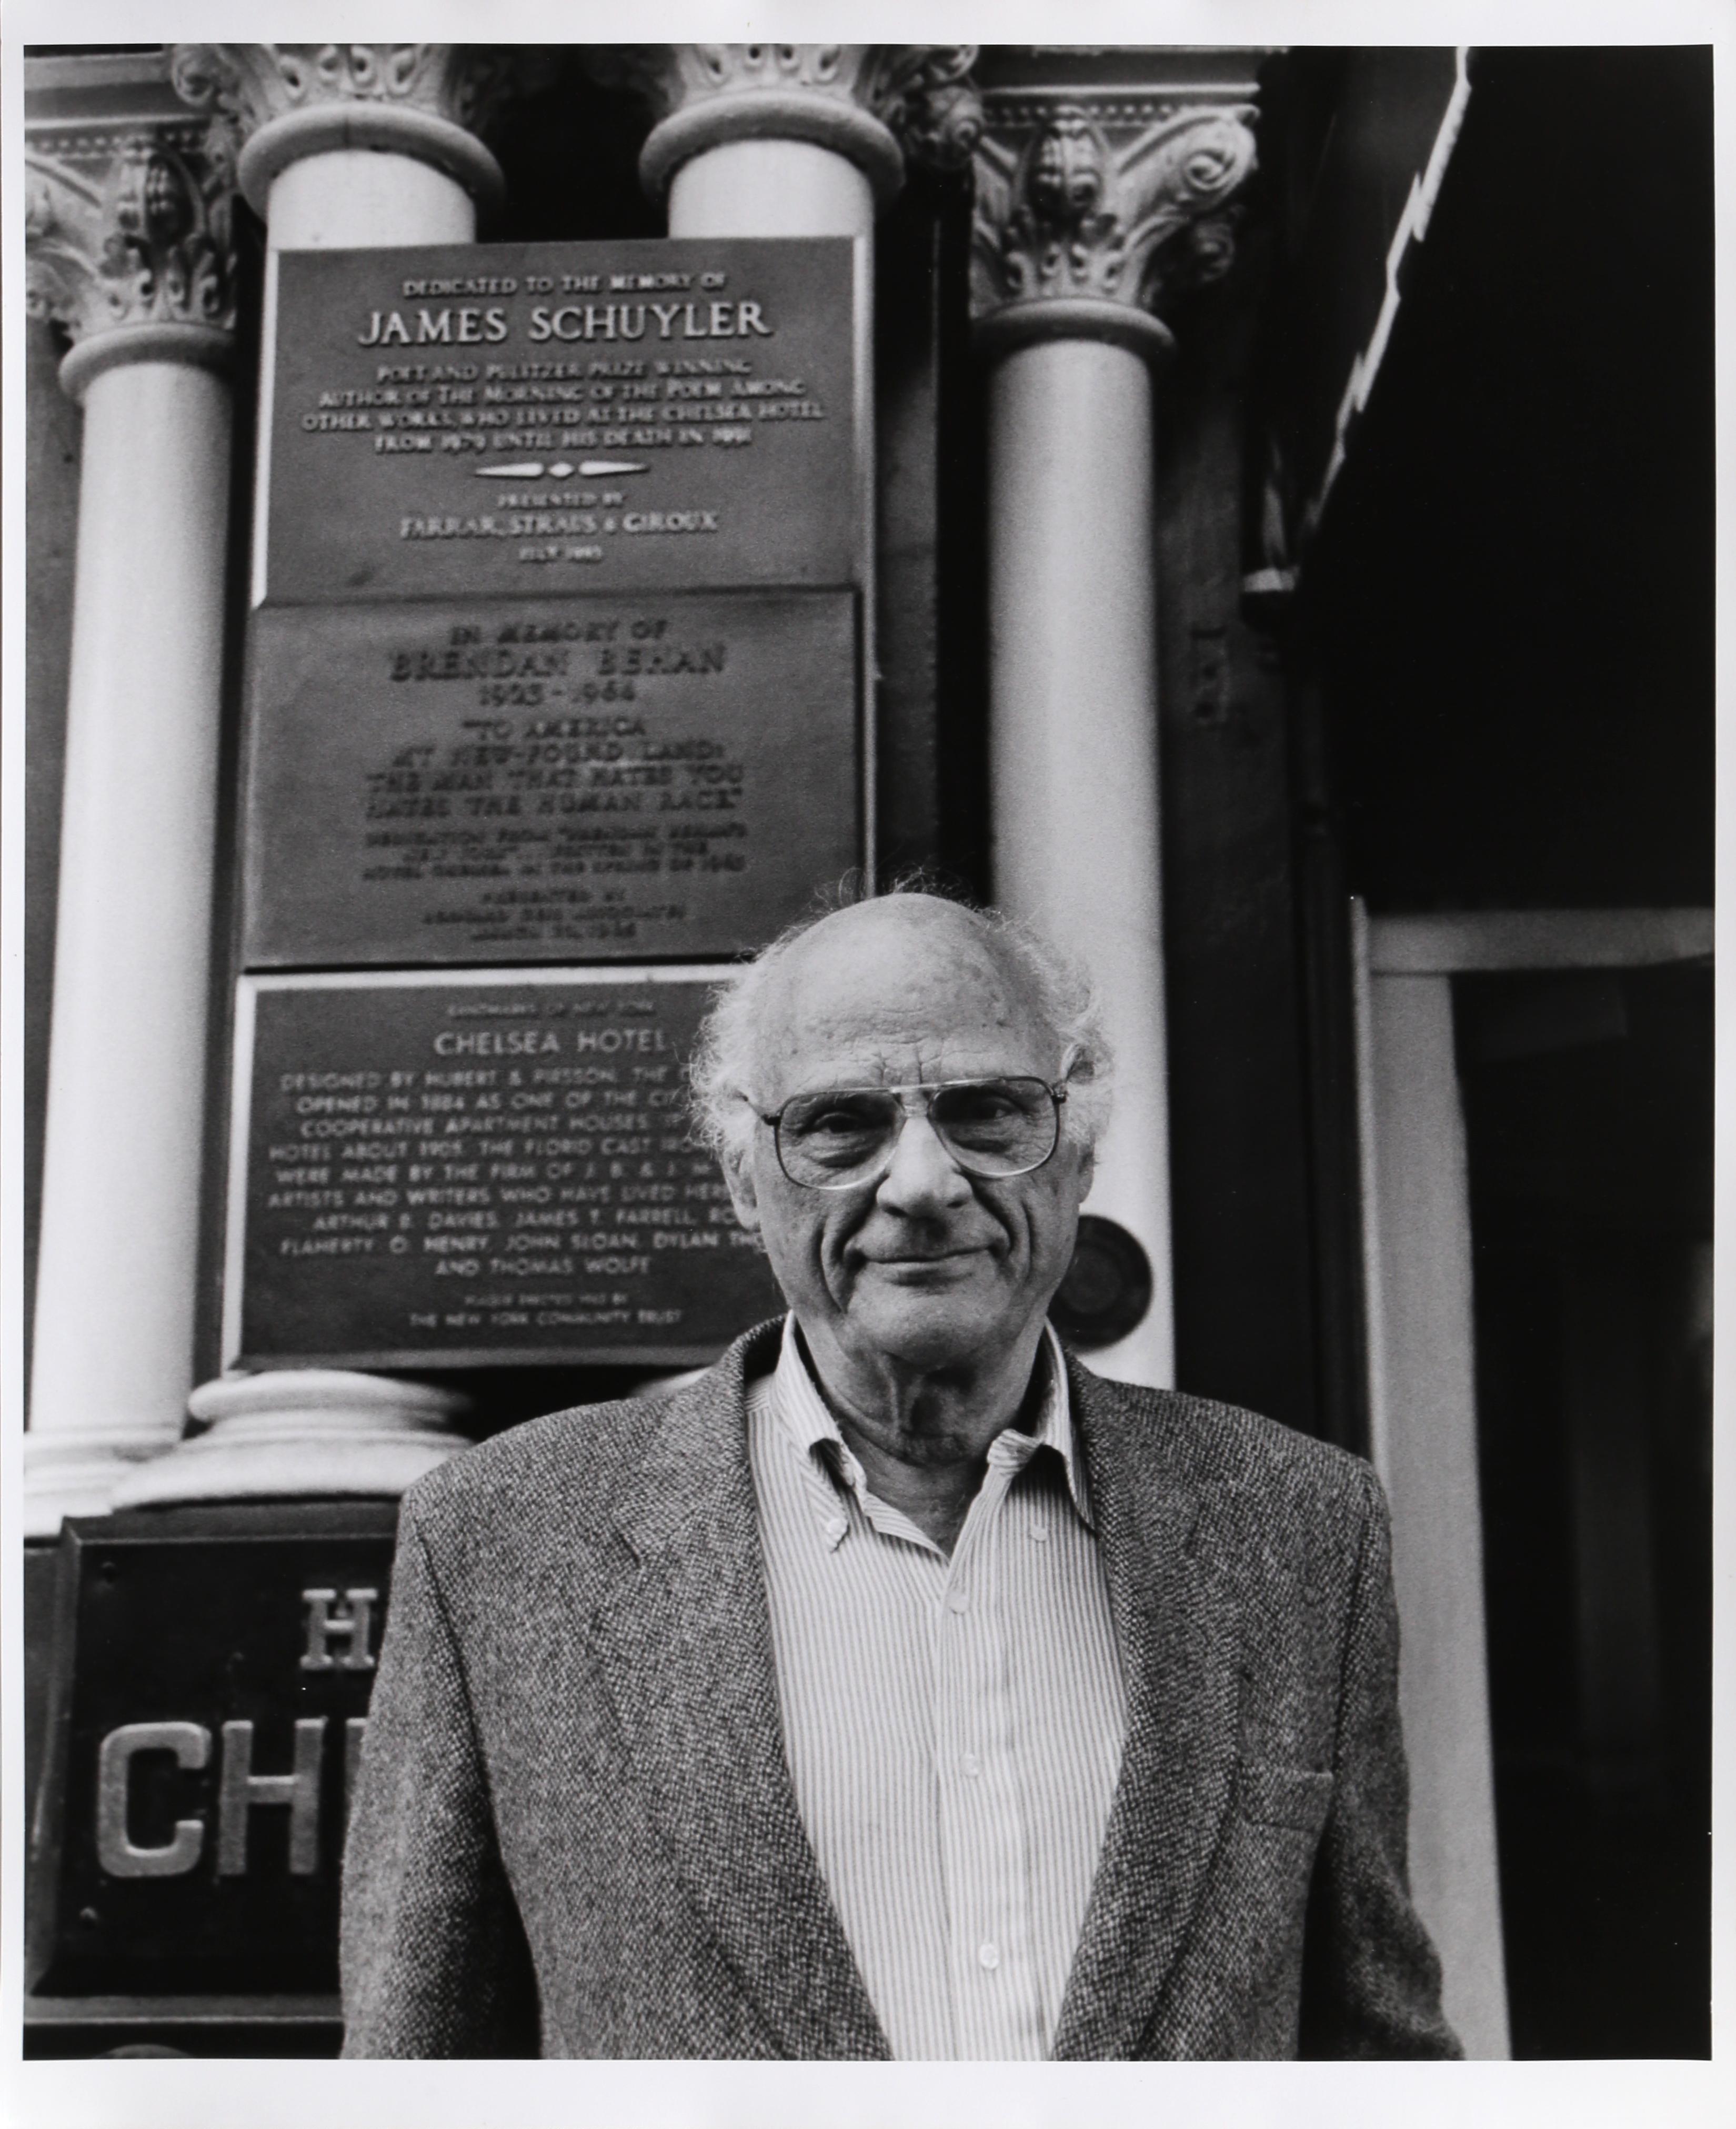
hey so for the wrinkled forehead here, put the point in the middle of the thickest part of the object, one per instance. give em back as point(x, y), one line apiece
point(890, 999)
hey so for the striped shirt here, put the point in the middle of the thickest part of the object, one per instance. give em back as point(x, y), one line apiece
point(953, 1727)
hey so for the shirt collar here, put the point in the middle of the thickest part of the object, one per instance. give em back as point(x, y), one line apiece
point(806, 1420)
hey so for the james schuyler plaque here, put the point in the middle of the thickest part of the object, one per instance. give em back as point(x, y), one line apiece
point(546, 780)
point(634, 415)
point(451, 1169)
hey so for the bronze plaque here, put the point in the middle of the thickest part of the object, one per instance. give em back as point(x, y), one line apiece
point(477, 1169)
point(550, 780)
point(634, 415)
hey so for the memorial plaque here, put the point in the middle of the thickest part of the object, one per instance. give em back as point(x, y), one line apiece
point(640, 415)
point(474, 1169)
point(548, 780)
point(212, 1669)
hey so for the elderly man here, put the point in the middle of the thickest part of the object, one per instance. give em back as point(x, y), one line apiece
point(899, 1688)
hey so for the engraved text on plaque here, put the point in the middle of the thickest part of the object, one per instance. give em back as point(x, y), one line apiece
point(454, 1170)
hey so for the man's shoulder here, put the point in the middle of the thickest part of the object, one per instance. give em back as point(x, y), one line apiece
point(569, 1477)
point(587, 1440)
point(1282, 1517)
point(581, 1454)
point(1226, 1453)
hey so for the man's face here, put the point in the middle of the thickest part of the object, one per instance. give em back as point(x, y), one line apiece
point(928, 1267)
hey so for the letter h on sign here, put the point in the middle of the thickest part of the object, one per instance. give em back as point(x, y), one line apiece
point(241, 1790)
point(347, 1620)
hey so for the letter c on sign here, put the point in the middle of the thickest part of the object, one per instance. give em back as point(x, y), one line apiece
point(191, 1744)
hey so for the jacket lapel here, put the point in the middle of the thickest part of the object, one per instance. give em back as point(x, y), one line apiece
point(1177, 1622)
point(685, 1646)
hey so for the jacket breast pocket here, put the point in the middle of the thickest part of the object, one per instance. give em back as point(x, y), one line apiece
point(1271, 1793)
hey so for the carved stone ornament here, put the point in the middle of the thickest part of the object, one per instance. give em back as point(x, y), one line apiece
point(874, 103)
point(433, 101)
point(1115, 208)
point(129, 226)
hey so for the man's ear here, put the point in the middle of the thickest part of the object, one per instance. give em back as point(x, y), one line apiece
point(738, 1174)
point(1076, 1059)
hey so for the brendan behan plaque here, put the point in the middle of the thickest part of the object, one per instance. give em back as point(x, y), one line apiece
point(546, 780)
point(469, 1169)
point(634, 415)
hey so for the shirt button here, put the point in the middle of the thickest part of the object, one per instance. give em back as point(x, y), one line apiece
point(1039, 1535)
point(836, 1528)
point(971, 1765)
point(957, 1601)
point(990, 1956)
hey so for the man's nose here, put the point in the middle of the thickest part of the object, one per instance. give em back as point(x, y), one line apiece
point(923, 1179)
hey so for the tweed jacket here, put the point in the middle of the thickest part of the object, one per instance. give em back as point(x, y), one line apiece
point(574, 1832)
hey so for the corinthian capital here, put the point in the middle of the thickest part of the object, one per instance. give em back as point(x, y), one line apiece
point(434, 102)
point(875, 103)
point(127, 240)
point(1096, 205)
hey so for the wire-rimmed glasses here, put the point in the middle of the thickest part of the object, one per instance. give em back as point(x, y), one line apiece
point(842, 1138)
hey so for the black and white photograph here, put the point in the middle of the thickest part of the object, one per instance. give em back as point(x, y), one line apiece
point(859, 1070)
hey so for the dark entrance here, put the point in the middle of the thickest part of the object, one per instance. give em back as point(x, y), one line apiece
point(1588, 1099)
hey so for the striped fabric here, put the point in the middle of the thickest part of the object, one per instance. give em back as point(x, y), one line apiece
point(953, 1728)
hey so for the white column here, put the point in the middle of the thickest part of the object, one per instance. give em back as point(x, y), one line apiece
point(128, 248)
point(794, 187)
point(1416, 1229)
point(792, 140)
point(803, 140)
point(773, 188)
point(800, 140)
point(1073, 741)
point(356, 147)
point(359, 144)
point(770, 188)
point(112, 1357)
point(355, 199)
point(1092, 201)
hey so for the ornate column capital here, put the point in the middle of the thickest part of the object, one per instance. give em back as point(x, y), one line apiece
point(432, 102)
point(127, 238)
point(1097, 203)
point(874, 103)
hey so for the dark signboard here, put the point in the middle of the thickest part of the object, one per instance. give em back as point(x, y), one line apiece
point(634, 415)
point(471, 1168)
point(548, 780)
point(211, 1674)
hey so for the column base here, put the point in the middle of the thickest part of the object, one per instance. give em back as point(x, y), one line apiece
point(302, 1433)
point(74, 1471)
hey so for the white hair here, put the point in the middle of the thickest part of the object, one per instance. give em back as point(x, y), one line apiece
point(721, 1068)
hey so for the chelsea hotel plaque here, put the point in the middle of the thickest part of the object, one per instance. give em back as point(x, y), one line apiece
point(454, 1169)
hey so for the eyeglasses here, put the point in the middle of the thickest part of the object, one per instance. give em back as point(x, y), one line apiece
point(847, 1136)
